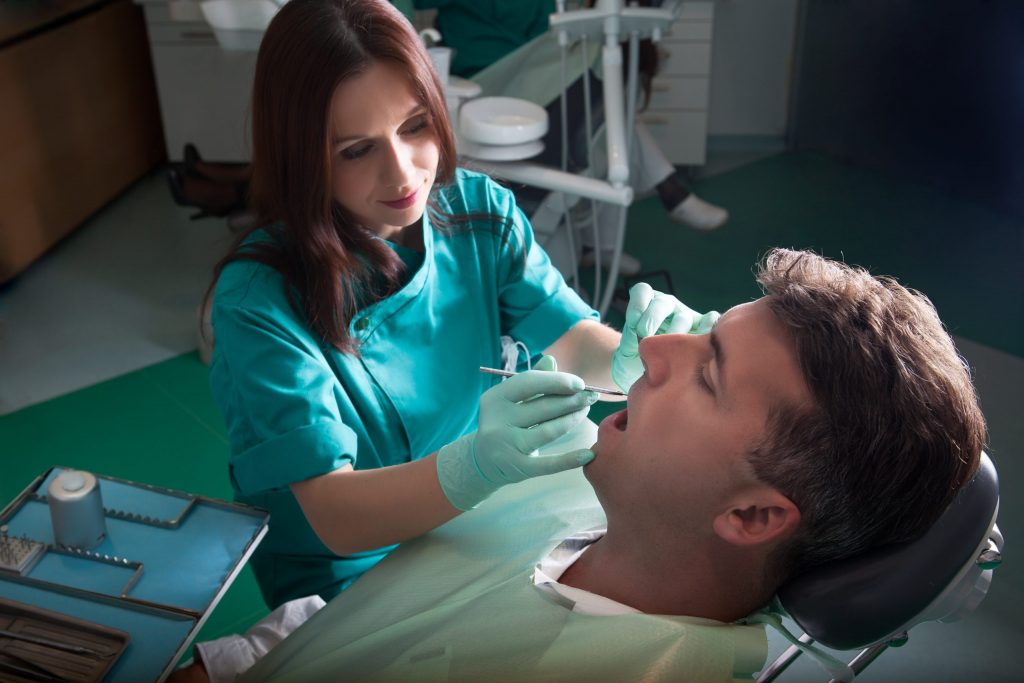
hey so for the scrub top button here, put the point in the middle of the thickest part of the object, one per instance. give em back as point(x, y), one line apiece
point(362, 324)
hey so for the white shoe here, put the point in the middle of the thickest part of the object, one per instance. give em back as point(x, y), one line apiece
point(697, 213)
point(628, 265)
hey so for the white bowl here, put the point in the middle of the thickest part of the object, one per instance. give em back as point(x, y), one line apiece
point(461, 87)
point(238, 24)
point(502, 121)
point(475, 150)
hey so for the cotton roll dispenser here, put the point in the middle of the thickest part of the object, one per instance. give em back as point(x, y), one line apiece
point(76, 510)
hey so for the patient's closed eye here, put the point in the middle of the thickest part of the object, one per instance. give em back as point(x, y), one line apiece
point(701, 381)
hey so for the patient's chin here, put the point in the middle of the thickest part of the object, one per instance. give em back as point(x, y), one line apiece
point(603, 456)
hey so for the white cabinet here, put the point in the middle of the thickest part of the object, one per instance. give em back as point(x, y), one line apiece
point(677, 114)
point(204, 91)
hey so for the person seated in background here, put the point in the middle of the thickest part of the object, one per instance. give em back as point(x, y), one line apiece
point(830, 416)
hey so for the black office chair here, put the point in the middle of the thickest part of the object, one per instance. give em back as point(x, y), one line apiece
point(870, 602)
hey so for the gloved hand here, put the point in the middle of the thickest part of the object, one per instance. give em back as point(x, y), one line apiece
point(651, 312)
point(517, 417)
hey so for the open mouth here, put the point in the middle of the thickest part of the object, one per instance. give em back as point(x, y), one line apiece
point(620, 420)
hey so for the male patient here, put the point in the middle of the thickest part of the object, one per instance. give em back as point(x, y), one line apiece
point(830, 416)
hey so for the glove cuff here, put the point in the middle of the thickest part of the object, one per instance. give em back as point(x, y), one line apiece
point(621, 374)
point(459, 475)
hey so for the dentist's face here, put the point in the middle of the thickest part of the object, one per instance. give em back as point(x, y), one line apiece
point(384, 151)
point(678, 454)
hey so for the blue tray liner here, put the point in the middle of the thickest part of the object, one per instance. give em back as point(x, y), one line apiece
point(183, 567)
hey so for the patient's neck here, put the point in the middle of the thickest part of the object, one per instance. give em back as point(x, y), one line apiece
point(691, 577)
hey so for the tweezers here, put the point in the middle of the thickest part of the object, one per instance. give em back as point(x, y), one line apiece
point(46, 642)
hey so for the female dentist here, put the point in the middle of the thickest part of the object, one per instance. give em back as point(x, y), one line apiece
point(350, 324)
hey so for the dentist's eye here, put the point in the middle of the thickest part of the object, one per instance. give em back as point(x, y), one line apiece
point(701, 382)
point(417, 125)
point(356, 151)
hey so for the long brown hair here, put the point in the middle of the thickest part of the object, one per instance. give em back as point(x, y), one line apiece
point(330, 265)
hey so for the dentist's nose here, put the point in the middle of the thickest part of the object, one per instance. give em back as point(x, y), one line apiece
point(398, 166)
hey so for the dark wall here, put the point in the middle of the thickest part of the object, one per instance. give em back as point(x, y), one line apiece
point(933, 89)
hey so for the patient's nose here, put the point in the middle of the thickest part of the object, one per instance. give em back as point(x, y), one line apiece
point(664, 354)
point(652, 351)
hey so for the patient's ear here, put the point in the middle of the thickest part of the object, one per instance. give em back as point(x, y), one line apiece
point(759, 517)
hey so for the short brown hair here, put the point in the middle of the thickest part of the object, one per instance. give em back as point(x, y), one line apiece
point(896, 429)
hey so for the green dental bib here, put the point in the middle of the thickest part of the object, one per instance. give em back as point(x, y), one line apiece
point(459, 604)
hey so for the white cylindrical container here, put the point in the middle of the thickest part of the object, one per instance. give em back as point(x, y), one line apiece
point(442, 60)
point(76, 510)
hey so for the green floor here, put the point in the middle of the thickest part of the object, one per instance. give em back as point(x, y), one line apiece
point(159, 425)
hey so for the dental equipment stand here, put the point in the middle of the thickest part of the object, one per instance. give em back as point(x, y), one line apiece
point(612, 20)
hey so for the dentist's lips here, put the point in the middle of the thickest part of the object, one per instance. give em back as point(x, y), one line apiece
point(404, 202)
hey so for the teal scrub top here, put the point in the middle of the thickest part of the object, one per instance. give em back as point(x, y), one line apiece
point(296, 408)
point(483, 31)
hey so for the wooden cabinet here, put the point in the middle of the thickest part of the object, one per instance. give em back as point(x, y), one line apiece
point(78, 118)
point(677, 115)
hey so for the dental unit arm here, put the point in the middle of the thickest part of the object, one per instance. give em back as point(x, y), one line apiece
point(614, 22)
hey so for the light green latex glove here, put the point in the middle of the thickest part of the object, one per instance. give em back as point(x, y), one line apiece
point(652, 312)
point(517, 417)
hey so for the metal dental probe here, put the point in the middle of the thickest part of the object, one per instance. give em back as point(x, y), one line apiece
point(506, 373)
point(47, 642)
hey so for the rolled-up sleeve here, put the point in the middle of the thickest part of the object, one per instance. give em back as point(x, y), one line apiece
point(280, 401)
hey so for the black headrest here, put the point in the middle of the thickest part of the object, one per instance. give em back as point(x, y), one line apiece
point(859, 601)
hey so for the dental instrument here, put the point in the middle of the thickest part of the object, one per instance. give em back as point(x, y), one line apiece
point(506, 373)
point(51, 643)
point(510, 431)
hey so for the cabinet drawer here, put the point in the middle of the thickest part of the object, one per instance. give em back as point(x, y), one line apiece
point(179, 32)
point(689, 31)
point(173, 10)
point(679, 92)
point(681, 135)
point(684, 59)
point(204, 98)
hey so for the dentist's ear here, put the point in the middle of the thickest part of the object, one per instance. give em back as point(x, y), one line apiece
point(758, 517)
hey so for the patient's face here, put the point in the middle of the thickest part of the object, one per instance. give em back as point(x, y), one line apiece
point(678, 452)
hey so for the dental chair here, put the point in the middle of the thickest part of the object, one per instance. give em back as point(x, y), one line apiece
point(870, 602)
